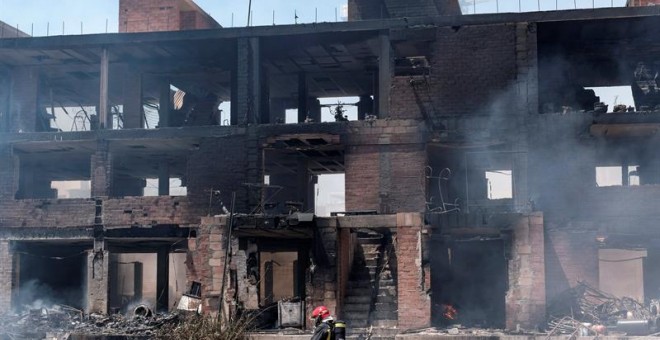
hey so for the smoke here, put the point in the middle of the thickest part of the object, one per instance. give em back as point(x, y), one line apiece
point(34, 294)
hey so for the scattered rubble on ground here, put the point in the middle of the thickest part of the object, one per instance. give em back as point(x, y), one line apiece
point(61, 321)
point(585, 310)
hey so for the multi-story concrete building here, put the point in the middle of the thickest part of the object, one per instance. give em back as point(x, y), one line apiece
point(477, 172)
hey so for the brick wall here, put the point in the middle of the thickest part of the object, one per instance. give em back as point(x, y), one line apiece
point(486, 56)
point(6, 276)
point(571, 255)
point(8, 173)
point(377, 9)
point(219, 164)
point(321, 285)
point(525, 299)
point(637, 3)
point(205, 260)
point(148, 15)
point(47, 213)
point(383, 166)
point(145, 211)
point(162, 15)
point(414, 300)
point(410, 98)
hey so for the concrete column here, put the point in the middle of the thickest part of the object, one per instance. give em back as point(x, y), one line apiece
point(384, 75)
point(162, 279)
point(9, 173)
point(304, 184)
point(315, 109)
point(163, 178)
point(101, 170)
point(254, 110)
point(4, 101)
point(23, 100)
point(277, 111)
point(365, 107)
point(133, 116)
point(6, 276)
point(105, 119)
point(165, 105)
point(240, 83)
point(98, 260)
point(264, 108)
point(303, 94)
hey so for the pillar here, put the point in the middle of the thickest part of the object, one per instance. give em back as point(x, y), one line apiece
point(6, 276)
point(163, 178)
point(105, 119)
point(254, 110)
point(315, 110)
point(162, 279)
point(101, 170)
point(23, 102)
point(98, 260)
point(165, 104)
point(365, 107)
point(133, 116)
point(384, 75)
point(240, 83)
point(303, 93)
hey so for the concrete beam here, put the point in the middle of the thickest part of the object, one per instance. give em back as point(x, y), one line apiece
point(367, 221)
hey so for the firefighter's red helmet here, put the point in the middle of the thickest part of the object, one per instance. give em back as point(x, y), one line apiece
point(320, 312)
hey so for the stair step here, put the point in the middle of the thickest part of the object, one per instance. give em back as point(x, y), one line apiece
point(385, 315)
point(360, 284)
point(386, 283)
point(357, 299)
point(386, 307)
point(357, 307)
point(359, 291)
point(355, 316)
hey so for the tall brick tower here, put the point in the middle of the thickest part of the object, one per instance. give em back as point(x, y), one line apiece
point(162, 15)
point(381, 9)
point(638, 3)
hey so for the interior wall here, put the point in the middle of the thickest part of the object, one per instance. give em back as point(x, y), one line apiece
point(280, 267)
point(621, 272)
point(134, 280)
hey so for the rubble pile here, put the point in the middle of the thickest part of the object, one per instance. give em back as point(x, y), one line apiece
point(61, 320)
point(585, 310)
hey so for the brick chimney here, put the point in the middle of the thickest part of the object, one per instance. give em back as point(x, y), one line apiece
point(383, 9)
point(162, 15)
point(638, 3)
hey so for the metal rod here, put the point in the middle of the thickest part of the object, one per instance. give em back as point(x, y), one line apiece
point(48, 29)
point(106, 25)
point(539, 5)
point(316, 15)
point(273, 17)
point(227, 252)
point(249, 12)
point(474, 4)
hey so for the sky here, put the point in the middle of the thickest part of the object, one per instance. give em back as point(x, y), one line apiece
point(46, 17)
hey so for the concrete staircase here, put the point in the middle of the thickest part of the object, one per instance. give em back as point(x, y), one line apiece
point(370, 299)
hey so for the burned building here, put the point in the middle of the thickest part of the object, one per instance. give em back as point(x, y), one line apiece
point(481, 181)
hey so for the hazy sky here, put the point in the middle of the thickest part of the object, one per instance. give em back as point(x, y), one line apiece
point(35, 15)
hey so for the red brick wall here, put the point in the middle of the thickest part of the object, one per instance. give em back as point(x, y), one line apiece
point(410, 98)
point(571, 255)
point(383, 166)
point(525, 300)
point(191, 20)
point(413, 281)
point(636, 3)
point(150, 210)
point(8, 173)
point(47, 213)
point(205, 260)
point(148, 15)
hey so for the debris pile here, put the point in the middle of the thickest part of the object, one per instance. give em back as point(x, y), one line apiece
point(585, 310)
point(37, 323)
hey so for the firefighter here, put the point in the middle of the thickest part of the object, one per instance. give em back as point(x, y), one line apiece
point(325, 326)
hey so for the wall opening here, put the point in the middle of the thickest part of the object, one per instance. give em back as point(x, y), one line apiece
point(291, 116)
point(339, 109)
point(500, 184)
point(615, 97)
point(469, 283)
point(132, 280)
point(177, 187)
point(608, 176)
point(329, 194)
point(50, 274)
point(72, 189)
point(279, 272)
